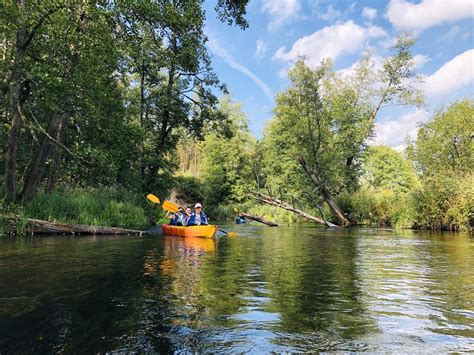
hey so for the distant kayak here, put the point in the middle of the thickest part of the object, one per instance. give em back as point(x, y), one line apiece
point(193, 231)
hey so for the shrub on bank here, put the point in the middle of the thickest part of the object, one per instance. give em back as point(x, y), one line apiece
point(446, 202)
point(379, 207)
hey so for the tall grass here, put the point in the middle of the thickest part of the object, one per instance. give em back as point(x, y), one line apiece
point(105, 207)
point(12, 219)
point(379, 207)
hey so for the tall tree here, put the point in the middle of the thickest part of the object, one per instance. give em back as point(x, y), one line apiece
point(443, 154)
point(226, 169)
point(26, 21)
point(69, 79)
point(324, 119)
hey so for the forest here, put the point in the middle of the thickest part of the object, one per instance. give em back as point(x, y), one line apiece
point(103, 102)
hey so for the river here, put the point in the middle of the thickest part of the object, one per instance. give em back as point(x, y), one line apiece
point(292, 288)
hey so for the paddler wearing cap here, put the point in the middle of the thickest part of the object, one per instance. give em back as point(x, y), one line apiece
point(198, 217)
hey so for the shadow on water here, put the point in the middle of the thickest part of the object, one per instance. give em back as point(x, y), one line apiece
point(292, 288)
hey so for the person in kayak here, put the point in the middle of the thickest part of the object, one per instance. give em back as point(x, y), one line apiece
point(176, 219)
point(187, 216)
point(198, 217)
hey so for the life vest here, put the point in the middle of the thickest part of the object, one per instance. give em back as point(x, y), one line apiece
point(192, 219)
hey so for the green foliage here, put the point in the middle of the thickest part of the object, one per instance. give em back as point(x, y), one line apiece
point(379, 207)
point(324, 119)
point(7, 211)
point(445, 144)
point(124, 75)
point(443, 153)
point(275, 214)
point(226, 172)
point(386, 168)
point(107, 206)
point(446, 202)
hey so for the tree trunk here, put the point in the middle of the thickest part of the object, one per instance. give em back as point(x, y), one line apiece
point(15, 100)
point(164, 130)
point(330, 201)
point(258, 219)
point(281, 204)
point(56, 158)
point(35, 175)
point(35, 226)
point(142, 120)
point(13, 138)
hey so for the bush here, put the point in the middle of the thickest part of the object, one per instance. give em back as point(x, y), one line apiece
point(446, 202)
point(379, 207)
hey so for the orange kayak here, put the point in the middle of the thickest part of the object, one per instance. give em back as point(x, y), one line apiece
point(193, 231)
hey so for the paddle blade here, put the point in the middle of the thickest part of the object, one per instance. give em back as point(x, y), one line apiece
point(170, 206)
point(232, 234)
point(236, 210)
point(153, 198)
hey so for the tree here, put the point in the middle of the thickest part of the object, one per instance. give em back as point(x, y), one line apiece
point(445, 145)
point(26, 21)
point(171, 61)
point(443, 154)
point(226, 168)
point(385, 168)
point(70, 104)
point(324, 120)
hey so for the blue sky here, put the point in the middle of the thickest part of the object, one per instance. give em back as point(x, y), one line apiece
point(253, 62)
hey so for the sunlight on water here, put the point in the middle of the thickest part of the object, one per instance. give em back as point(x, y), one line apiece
point(295, 288)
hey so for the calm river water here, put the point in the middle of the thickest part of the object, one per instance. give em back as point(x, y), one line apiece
point(296, 288)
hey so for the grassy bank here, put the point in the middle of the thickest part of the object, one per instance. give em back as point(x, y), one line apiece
point(103, 207)
point(91, 206)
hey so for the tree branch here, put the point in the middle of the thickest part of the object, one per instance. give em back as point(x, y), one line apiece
point(37, 27)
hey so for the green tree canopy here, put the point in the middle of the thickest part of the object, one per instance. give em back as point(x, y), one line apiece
point(384, 167)
point(226, 170)
point(445, 145)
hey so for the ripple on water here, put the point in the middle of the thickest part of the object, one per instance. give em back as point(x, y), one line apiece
point(288, 289)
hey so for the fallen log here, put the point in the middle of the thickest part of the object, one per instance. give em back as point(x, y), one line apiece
point(258, 219)
point(37, 226)
point(281, 204)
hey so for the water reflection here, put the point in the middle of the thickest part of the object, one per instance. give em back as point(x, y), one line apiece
point(297, 288)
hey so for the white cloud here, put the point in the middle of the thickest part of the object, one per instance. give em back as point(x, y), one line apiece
point(331, 14)
point(369, 13)
point(281, 12)
point(261, 49)
point(329, 42)
point(405, 15)
point(455, 74)
point(393, 132)
point(218, 49)
point(419, 60)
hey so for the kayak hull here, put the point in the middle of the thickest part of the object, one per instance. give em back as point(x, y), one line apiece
point(193, 231)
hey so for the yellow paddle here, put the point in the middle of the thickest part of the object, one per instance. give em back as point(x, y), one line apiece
point(170, 206)
point(153, 198)
point(167, 205)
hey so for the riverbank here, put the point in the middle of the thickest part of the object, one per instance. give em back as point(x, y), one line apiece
point(83, 206)
point(115, 207)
